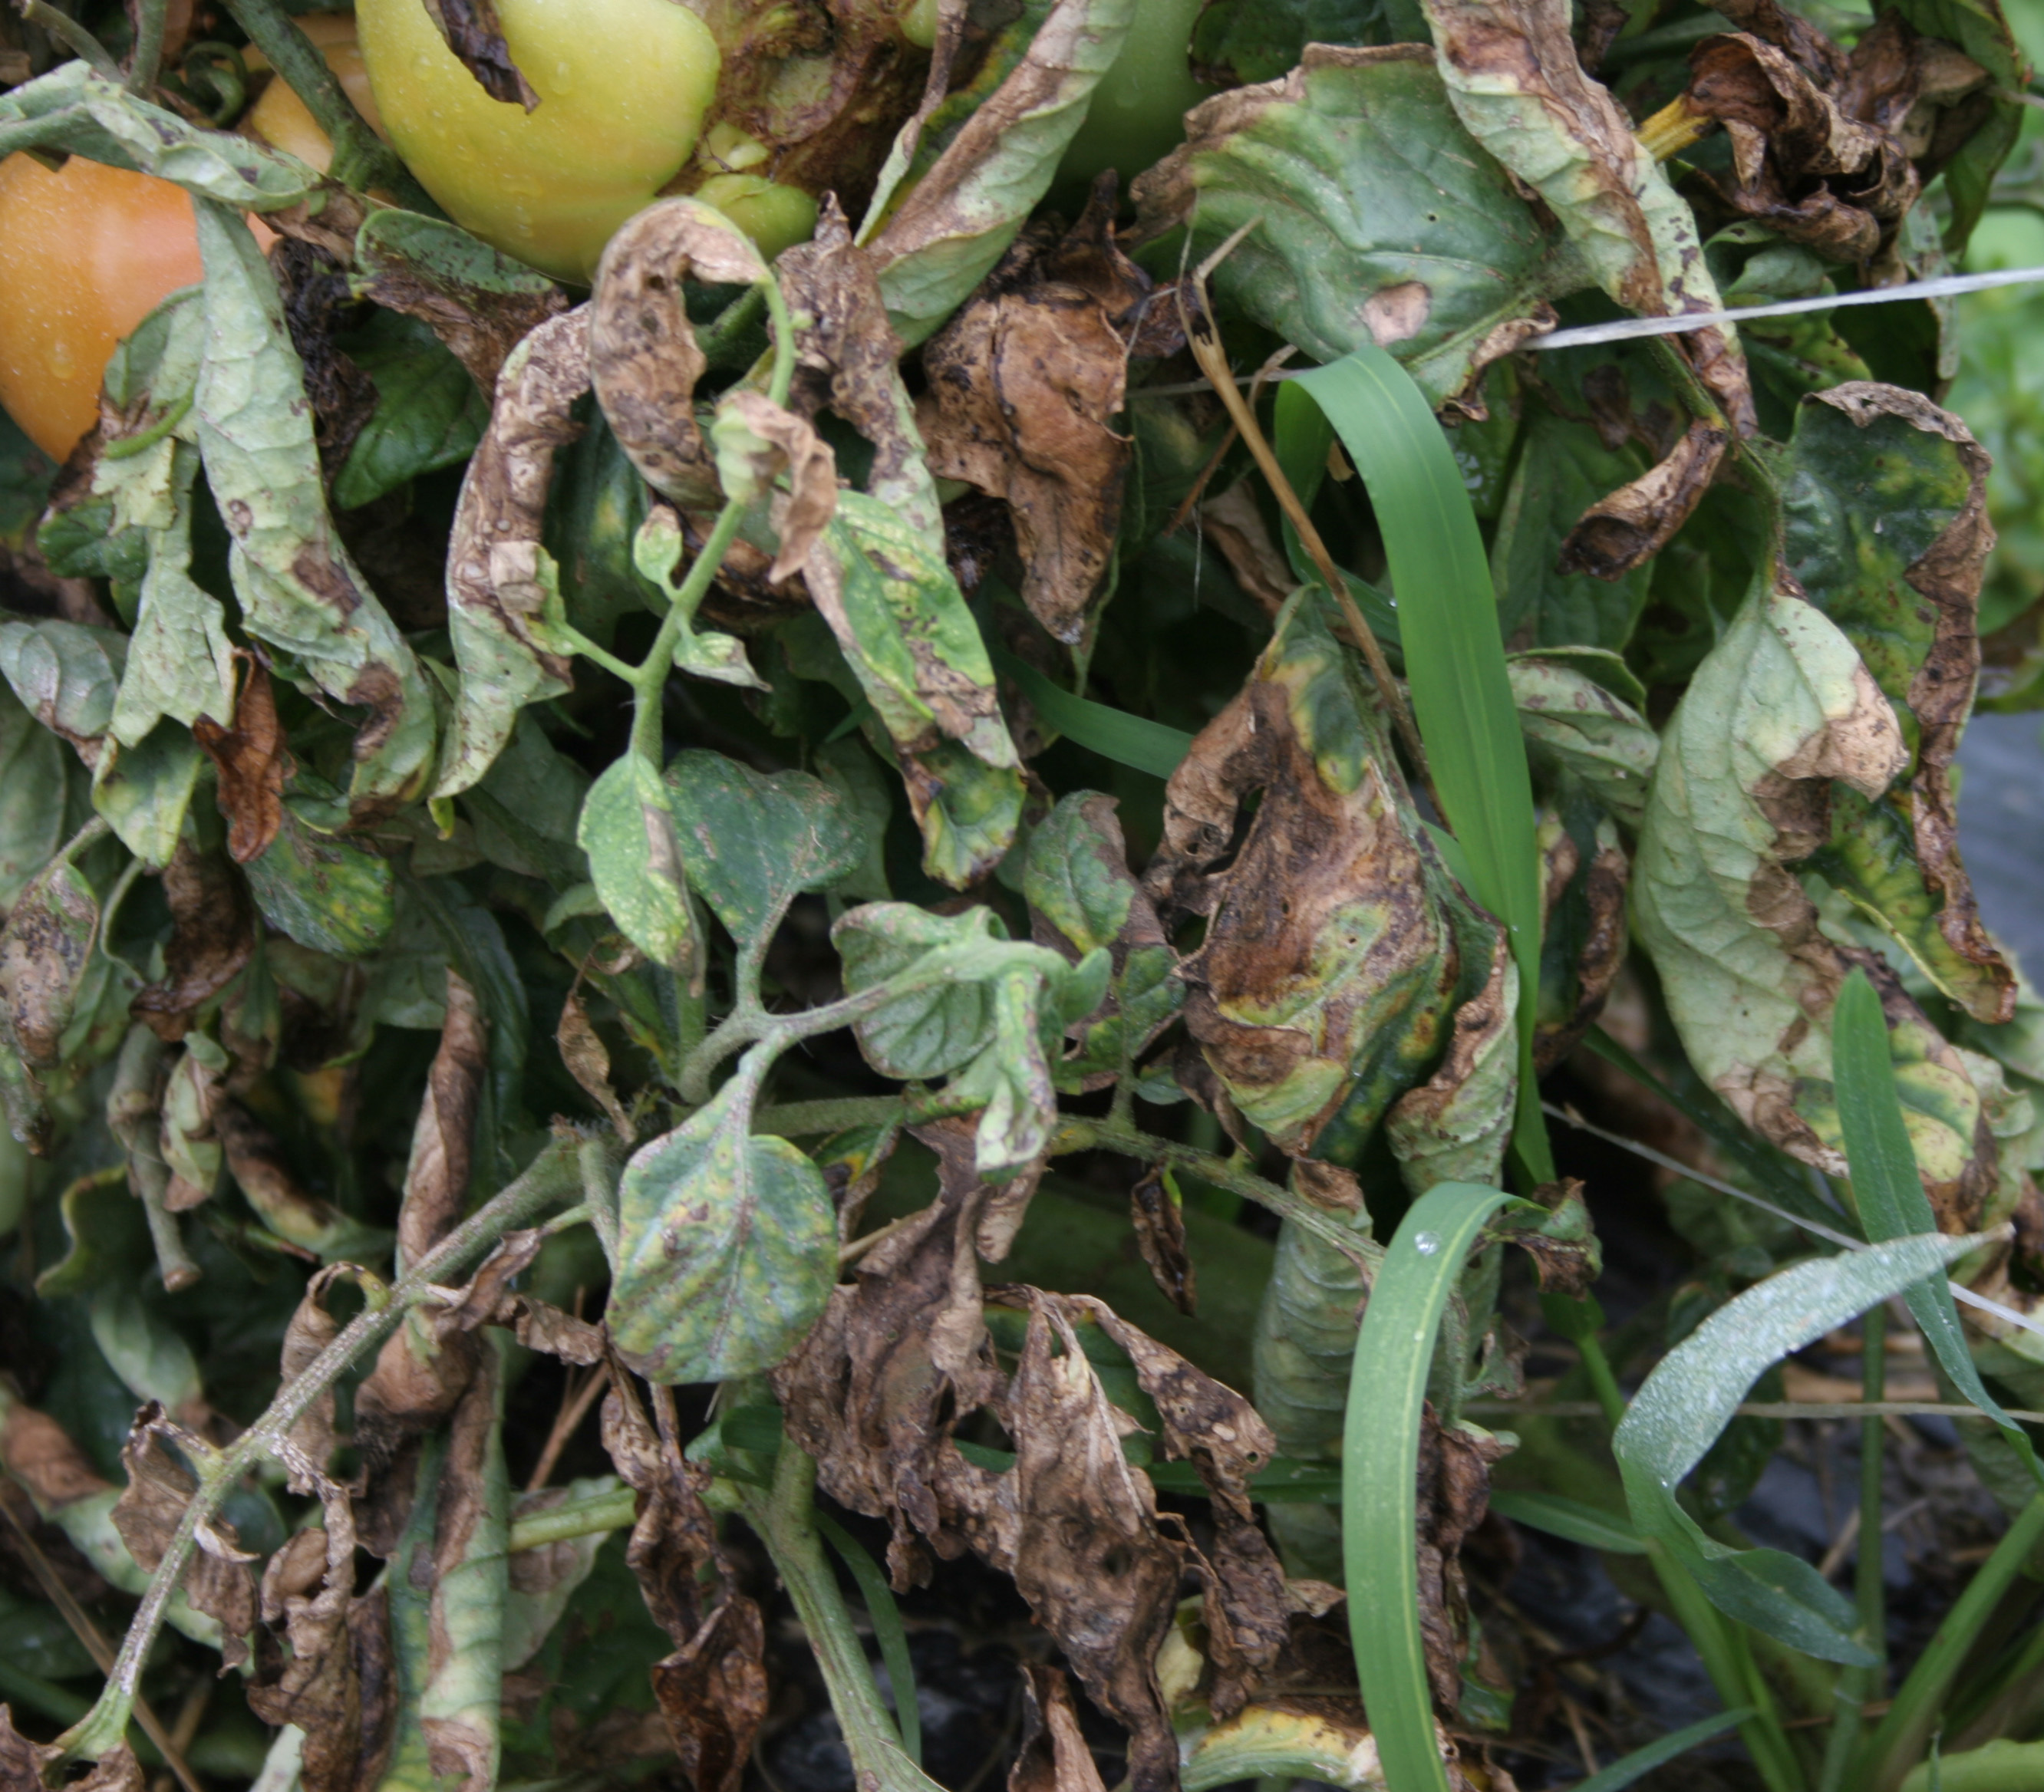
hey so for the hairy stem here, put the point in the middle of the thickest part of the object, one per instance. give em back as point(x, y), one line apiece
point(150, 18)
point(553, 1179)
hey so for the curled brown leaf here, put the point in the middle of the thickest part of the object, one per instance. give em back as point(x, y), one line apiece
point(160, 1486)
point(472, 32)
point(1160, 1235)
point(213, 932)
point(757, 440)
point(588, 1063)
point(251, 762)
point(1053, 1755)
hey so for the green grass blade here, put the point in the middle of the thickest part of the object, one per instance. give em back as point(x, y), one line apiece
point(1113, 734)
point(885, 1616)
point(1890, 1194)
point(1454, 663)
point(1380, 1462)
point(1643, 1761)
point(1569, 1519)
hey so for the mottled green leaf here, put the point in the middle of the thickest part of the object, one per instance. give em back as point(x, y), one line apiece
point(143, 791)
point(1083, 898)
point(1575, 725)
point(323, 891)
point(1563, 467)
point(756, 843)
point(1380, 220)
point(1884, 527)
point(300, 592)
point(31, 796)
point(949, 228)
point(635, 860)
point(428, 414)
point(68, 675)
point(1693, 1393)
point(726, 1248)
point(935, 1031)
point(1780, 708)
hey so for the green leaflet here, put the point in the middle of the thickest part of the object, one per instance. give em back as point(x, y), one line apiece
point(1461, 691)
point(949, 228)
point(756, 843)
point(989, 1011)
point(429, 413)
point(1887, 1192)
point(1080, 891)
point(299, 592)
point(1380, 1457)
point(1694, 1392)
point(72, 108)
point(727, 1246)
point(1561, 469)
point(143, 791)
point(1883, 525)
point(322, 891)
point(68, 676)
point(635, 860)
point(1749, 979)
point(882, 583)
point(153, 1360)
point(1382, 221)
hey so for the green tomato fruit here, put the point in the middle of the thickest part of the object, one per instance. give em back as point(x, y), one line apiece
point(1138, 115)
point(623, 86)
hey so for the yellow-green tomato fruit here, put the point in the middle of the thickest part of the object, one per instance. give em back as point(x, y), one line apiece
point(776, 217)
point(1137, 114)
point(623, 87)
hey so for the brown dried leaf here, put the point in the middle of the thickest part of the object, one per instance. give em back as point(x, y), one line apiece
point(38, 1453)
point(213, 933)
point(1160, 1235)
point(23, 1762)
point(216, 1581)
point(1619, 532)
point(1053, 1756)
point(1567, 1255)
point(436, 1178)
point(1234, 525)
point(468, 1538)
point(587, 1061)
point(1601, 953)
point(496, 571)
point(713, 1689)
point(1454, 1493)
point(1801, 164)
point(1023, 382)
point(755, 434)
point(338, 1684)
point(311, 1330)
point(256, 1159)
point(252, 760)
point(643, 357)
point(472, 32)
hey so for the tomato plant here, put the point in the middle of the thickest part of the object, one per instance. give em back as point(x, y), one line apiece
point(552, 185)
point(279, 117)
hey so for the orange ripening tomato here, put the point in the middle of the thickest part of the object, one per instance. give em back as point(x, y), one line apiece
point(85, 254)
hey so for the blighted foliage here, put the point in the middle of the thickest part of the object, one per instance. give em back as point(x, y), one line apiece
point(893, 727)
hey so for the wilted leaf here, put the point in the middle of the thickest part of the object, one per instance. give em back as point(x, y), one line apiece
point(1331, 962)
point(951, 227)
point(472, 32)
point(1157, 1215)
point(756, 841)
point(299, 591)
point(1053, 1755)
point(713, 1690)
point(1024, 383)
point(158, 1458)
point(256, 1161)
point(444, 1136)
point(1575, 726)
point(251, 762)
point(49, 936)
point(1381, 220)
point(1885, 528)
point(1782, 706)
point(499, 577)
point(480, 303)
point(214, 932)
point(727, 1247)
point(635, 860)
point(588, 1063)
point(642, 356)
point(754, 442)
point(1455, 1126)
